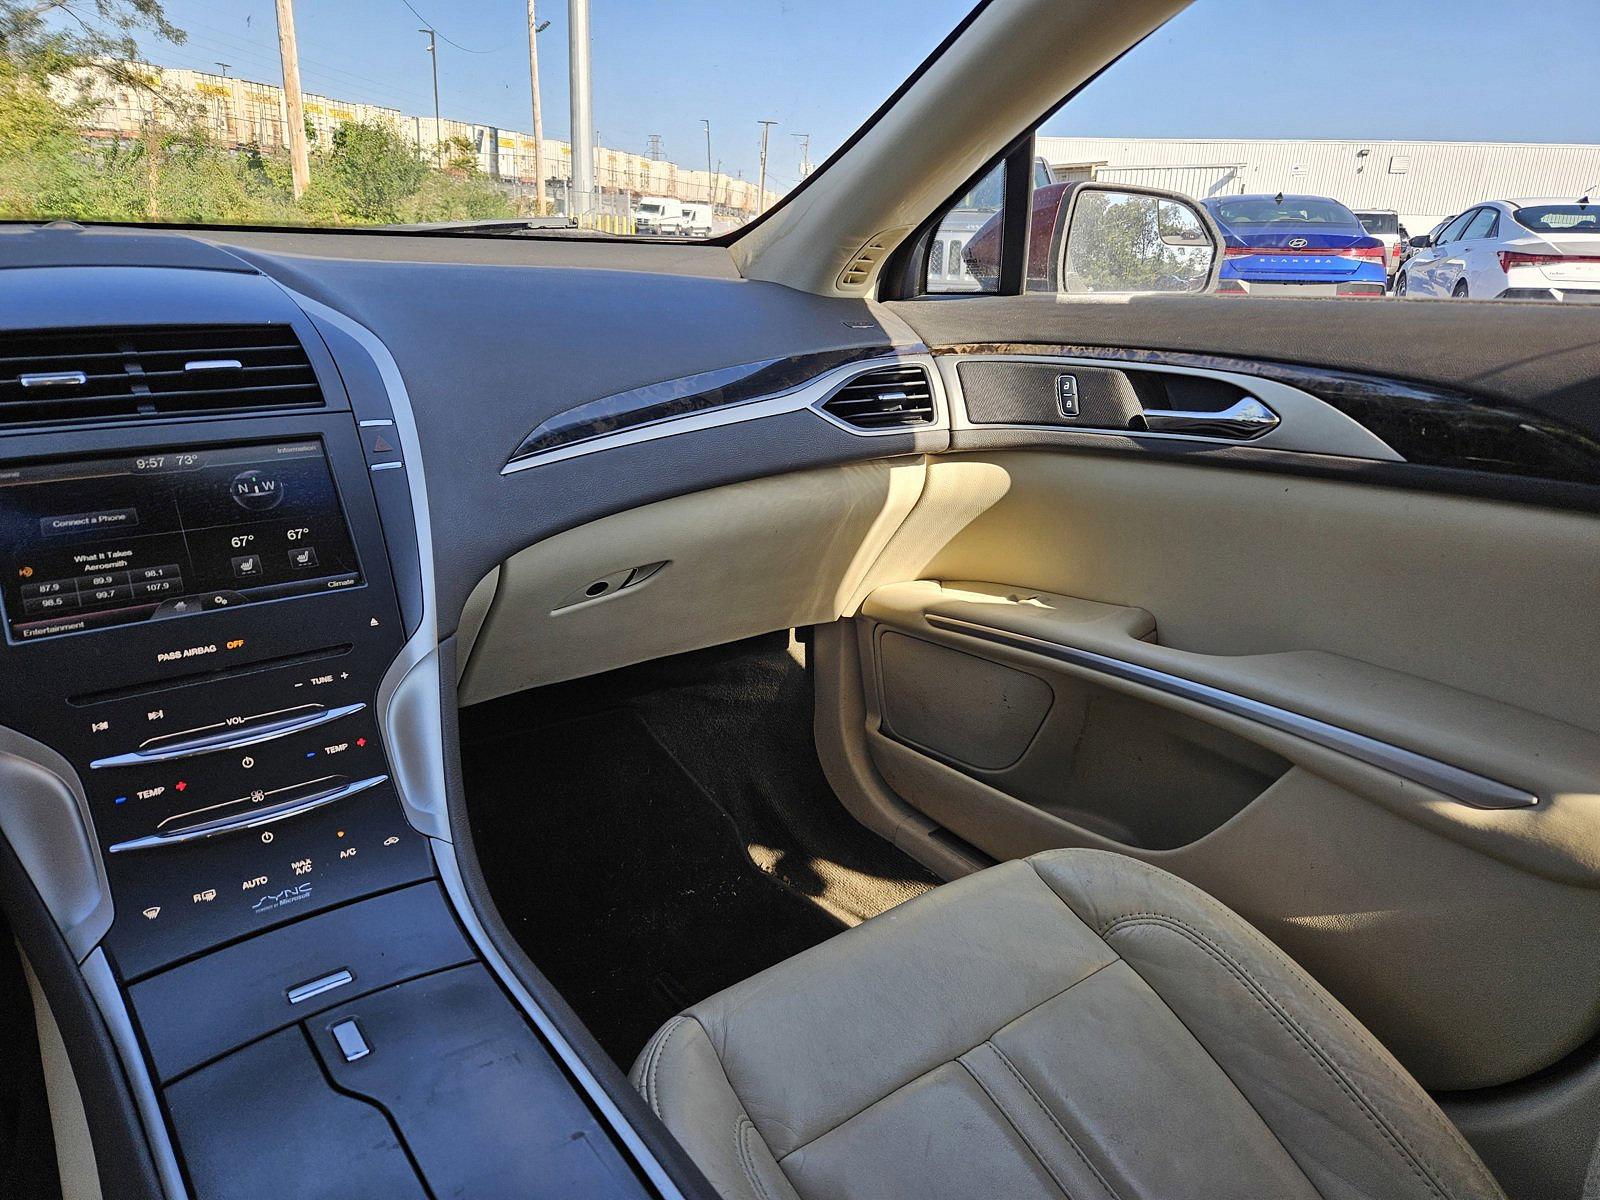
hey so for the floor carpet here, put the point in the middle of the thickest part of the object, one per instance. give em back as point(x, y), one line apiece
point(656, 834)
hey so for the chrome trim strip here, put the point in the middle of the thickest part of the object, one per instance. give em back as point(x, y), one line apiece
point(213, 364)
point(1307, 425)
point(808, 395)
point(684, 395)
point(35, 379)
point(252, 735)
point(1455, 782)
point(1245, 419)
point(414, 738)
point(317, 987)
point(263, 816)
point(388, 466)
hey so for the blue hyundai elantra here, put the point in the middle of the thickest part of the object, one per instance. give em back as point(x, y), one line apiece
point(1295, 245)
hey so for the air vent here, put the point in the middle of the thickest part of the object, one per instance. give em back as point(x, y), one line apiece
point(858, 271)
point(887, 398)
point(101, 374)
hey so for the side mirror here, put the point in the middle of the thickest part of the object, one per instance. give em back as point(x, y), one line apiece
point(1127, 240)
point(1421, 242)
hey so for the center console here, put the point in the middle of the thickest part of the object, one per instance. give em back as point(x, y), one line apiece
point(203, 613)
point(199, 626)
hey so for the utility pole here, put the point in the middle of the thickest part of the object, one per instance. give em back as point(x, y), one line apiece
point(711, 193)
point(534, 29)
point(224, 67)
point(582, 106)
point(805, 152)
point(295, 116)
point(761, 187)
point(438, 134)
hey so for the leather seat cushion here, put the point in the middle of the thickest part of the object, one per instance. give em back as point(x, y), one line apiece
point(1076, 1024)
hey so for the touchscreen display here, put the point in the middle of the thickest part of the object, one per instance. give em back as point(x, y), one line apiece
point(98, 542)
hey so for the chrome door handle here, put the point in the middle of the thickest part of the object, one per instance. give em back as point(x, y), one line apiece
point(1247, 418)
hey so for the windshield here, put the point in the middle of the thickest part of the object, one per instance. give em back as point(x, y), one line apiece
point(1291, 210)
point(383, 112)
point(1376, 223)
point(1560, 218)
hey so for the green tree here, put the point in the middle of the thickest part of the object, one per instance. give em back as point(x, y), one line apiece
point(54, 53)
point(449, 197)
point(99, 32)
point(45, 169)
point(367, 174)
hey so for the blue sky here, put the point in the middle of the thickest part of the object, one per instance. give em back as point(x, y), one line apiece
point(1225, 68)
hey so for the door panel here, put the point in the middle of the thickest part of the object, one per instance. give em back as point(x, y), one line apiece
point(1319, 680)
point(1405, 618)
point(1487, 597)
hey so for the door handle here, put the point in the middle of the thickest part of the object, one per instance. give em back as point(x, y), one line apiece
point(1245, 418)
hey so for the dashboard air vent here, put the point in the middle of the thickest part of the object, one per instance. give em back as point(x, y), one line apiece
point(858, 271)
point(100, 374)
point(887, 398)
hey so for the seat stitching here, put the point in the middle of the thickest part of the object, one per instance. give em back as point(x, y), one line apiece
point(1054, 1120)
point(946, 1062)
point(653, 1062)
point(1253, 935)
point(652, 1091)
point(1020, 1132)
point(1263, 997)
point(647, 1060)
point(742, 1128)
point(1360, 1034)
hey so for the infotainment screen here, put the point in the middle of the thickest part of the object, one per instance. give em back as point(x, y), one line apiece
point(98, 542)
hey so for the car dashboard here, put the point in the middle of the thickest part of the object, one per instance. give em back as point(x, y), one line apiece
point(225, 761)
point(275, 505)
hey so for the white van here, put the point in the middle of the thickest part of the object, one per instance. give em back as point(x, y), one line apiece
point(657, 214)
point(696, 220)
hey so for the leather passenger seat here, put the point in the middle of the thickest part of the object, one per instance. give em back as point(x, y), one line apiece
point(1077, 1024)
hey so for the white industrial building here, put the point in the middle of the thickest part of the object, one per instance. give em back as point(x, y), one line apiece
point(1423, 181)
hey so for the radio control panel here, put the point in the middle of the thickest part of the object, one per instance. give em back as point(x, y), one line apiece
point(224, 726)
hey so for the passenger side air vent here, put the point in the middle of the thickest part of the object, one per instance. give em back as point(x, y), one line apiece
point(857, 272)
point(100, 374)
point(887, 398)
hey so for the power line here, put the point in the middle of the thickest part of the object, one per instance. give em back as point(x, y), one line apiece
point(441, 36)
point(267, 60)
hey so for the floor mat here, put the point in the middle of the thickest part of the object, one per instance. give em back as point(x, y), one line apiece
point(658, 833)
point(622, 882)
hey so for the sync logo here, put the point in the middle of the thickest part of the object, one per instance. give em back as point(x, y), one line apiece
point(275, 900)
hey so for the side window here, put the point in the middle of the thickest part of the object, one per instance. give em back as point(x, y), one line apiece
point(1312, 183)
point(964, 253)
point(1481, 224)
point(1082, 238)
point(1452, 231)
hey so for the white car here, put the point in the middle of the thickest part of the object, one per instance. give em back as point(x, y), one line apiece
point(1384, 224)
point(1537, 249)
